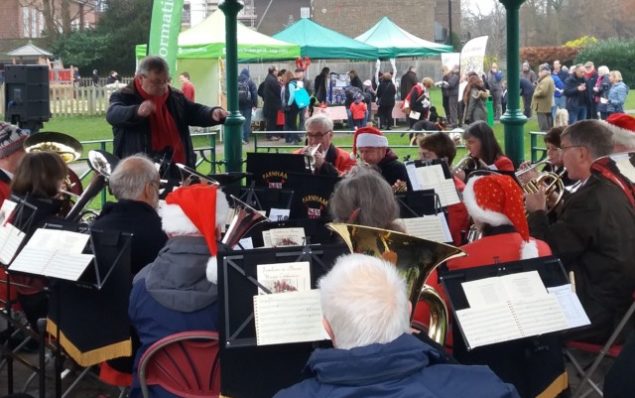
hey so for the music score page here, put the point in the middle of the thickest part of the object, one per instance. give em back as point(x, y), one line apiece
point(431, 227)
point(432, 177)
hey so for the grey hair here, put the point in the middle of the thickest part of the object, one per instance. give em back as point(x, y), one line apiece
point(152, 63)
point(603, 70)
point(131, 176)
point(325, 123)
point(365, 189)
point(591, 134)
point(364, 300)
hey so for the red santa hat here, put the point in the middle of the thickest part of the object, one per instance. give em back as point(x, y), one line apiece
point(623, 128)
point(368, 137)
point(196, 210)
point(496, 200)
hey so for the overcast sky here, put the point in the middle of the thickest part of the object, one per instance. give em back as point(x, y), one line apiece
point(484, 5)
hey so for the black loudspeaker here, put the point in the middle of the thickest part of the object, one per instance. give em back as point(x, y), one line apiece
point(27, 95)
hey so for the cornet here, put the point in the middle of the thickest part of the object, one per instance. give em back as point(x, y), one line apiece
point(468, 164)
point(309, 156)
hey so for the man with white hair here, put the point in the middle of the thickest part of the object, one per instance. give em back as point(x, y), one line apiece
point(366, 313)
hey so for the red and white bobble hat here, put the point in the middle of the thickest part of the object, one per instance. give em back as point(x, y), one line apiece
point(196, 210)
point(368, 137)
point(623, 128)
point(497, 200)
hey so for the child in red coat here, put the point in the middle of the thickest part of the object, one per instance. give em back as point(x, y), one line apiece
point(358, 111)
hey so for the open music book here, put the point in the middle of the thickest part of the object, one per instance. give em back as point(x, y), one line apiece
point(515, 306)
point(433, 177)
point(54, 253)
point(290, 317)
point(278, 237)
point(431, 227)
point(284, 277)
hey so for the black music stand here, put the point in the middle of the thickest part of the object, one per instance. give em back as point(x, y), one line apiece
point(261, 198)
point(418, 203)
point(255, 371)
point(311, 195)
point(270, 169)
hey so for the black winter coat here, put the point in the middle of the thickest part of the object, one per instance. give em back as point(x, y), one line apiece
point(575, 98)
point(393, 170)
point(386, 94)
point(593, 236)
point(272, 102)
point(132, 133)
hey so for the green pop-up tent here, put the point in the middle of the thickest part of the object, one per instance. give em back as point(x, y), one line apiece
point(318, 42)
point(201, 53)
point(394, 42)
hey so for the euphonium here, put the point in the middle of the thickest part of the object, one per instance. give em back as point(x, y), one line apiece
point(415, 259)
point(244, 219)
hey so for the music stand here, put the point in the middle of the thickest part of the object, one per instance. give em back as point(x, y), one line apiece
point(311, 195)
point(249, 370)
point(271, 169)
point(262, 198)
point(418, 203)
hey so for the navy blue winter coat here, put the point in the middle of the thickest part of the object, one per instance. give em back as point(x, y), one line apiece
point(403, 368)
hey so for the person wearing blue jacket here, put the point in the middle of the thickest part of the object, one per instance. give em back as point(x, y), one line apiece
point(366, 314)
point(617, 93)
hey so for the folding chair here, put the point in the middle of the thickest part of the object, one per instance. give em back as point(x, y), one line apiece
point(185, 364)
point(609, 349)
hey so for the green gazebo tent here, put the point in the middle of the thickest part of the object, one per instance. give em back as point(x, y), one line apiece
point(201, 53)
point(394, 42)
point(318, 42)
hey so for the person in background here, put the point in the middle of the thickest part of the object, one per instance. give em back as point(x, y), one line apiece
point(560, 70)
point(559, 100)
point(321, 85)
point(187, 87)
point(291, 110)
point(366, 315)
point(358, 111)
point(617, 93)
point(408, 80)
point(113, 77)
point(528, 73)
point(386, 101)
point(450, 89)
point(474, 97)
point(575, 90)
point(272, 102)
point(601, 91)
point(247, 101)
point(494, 80)
point(527, 93)
point(369, 98)
point(95, 77)
point(542, 100)
point(591, 77)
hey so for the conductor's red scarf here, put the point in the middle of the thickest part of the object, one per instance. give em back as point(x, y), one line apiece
point(163, 130)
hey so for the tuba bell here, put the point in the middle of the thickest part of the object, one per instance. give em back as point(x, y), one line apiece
point(244, 218)
point(415, 258)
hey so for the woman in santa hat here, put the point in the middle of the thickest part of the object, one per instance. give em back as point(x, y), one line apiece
point(177, 292)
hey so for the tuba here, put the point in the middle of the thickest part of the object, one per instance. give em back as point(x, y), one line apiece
point(415, 259)
point(243, 220)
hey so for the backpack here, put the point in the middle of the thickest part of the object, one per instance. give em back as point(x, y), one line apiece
point(244, 93)
point(301, 98)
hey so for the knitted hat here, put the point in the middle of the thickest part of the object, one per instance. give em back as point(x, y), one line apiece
point(196, 209)
point(368, 137)
point(496, 200)
point(623, 128)
point(11, 139)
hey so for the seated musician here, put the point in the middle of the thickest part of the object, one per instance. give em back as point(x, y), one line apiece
point(594, 232)
point(373, 149)
point(37, 180)
point(623, 127)
point(554, 158)
point(366, 314)
point(135, 184)
point(329, 160)
point(175, 293)
point(363, 197)
point(440, 146)
point(11, 153)
point(483, 148)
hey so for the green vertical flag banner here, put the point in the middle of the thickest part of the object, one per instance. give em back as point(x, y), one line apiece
point(164, 30)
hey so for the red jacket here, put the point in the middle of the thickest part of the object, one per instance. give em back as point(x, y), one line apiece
point(343, 161)
point(358, 110)
point(188, 91)
point(458, 219)
point(503, 163)
point(489, 250)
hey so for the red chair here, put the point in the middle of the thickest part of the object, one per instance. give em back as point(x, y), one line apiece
point(609, 349)
point(185, 364)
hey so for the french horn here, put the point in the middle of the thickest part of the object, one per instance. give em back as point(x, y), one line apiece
point(415, 258)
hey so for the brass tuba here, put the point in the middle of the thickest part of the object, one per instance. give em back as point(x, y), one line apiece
point(243, 220)
point(415, 258)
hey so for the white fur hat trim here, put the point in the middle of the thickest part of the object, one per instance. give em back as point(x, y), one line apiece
point(212, 270)
point(175, 222)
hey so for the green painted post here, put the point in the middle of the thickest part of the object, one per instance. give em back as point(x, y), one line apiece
point(513, 119)
point(234, 121)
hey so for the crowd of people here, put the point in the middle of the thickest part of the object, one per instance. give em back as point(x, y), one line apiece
point(173, 282)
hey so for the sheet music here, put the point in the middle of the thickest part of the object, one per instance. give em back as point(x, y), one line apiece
point(279, 214)
point(570, 305)
point(291, 317)
point(31, 261)
point(428, 227)
point(539, 316)
point(411, 169)
point(244, 244)
point(6, 209)
point(284, 277)
point(623, 163)
point(432, 177)
point(488, 325)
point(266, 238)
point(524, 285)
point(11, 238)
point(511, 287)
point(287, 237)
point(58, 240)
point(484, 292)
point(68, 266)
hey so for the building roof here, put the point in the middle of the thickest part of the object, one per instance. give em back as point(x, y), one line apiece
point(29, 50)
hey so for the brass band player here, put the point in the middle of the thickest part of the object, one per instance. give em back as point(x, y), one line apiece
point(484, 150)
point(328, 159)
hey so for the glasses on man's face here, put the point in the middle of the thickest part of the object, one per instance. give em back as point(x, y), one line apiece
point(317, 135)
point(564, 148)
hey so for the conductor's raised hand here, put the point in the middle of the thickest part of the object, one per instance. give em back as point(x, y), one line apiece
point(146, 108)
point(219, 114)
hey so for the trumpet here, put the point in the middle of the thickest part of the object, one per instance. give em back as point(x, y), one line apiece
point(531, 167)
point(309, 156)
point(469, 163)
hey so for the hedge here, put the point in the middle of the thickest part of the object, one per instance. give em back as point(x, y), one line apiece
point(614, 53)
